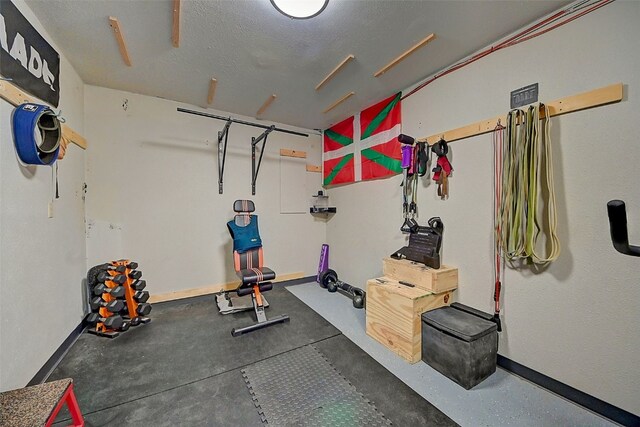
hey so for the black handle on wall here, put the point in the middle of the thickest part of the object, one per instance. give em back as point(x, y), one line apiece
point(618, 225)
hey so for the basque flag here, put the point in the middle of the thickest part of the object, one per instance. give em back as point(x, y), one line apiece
point(364, 146)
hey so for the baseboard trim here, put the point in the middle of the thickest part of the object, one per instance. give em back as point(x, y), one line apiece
point(43, 374)
point(300, 281)
point(206, 290)
point(592, 403)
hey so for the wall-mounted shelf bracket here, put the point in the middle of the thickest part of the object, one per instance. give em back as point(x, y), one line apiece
point(222, 152)
point(321, 205)
point(255, 168)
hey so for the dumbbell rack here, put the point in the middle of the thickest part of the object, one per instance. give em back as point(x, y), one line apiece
point(135, 306)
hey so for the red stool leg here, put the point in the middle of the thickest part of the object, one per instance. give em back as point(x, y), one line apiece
point(68, 398)
point(55, 411)
point(74, 409)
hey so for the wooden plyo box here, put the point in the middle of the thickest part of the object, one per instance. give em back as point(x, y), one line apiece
point(393, 315)
point(443, 279)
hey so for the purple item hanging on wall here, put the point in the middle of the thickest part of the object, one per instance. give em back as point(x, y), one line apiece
point(324, 261)
point(407, 152)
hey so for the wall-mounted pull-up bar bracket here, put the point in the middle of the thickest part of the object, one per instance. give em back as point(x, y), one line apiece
point(255, 168)
point(222, 152)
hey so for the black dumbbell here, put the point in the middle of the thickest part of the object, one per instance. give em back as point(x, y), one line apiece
point(118, 279)
point(132, 265)
point(329, 279)
point(139, 285)
point(117, 268)
point(126, 324)
point(135, 274)
point(141, 296)
point(143, 309)
point(101, 288)
point(113, 306)
point(111, 322)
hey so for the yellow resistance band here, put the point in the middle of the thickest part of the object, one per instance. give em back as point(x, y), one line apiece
point(525, 155)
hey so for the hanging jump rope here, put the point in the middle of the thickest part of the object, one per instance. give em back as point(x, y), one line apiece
point(498, 261)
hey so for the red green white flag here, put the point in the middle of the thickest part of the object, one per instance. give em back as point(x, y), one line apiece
point(364, 146)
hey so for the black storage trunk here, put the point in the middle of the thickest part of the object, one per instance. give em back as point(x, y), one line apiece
point(460, 345)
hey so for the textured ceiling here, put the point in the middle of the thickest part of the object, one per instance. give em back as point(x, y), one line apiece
point(254, 51)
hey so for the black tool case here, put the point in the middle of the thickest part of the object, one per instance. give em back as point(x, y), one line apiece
point(459, 342)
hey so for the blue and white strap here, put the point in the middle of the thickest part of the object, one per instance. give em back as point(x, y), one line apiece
point(36, 133)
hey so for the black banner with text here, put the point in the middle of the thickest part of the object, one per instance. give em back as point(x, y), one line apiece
point(25, 56)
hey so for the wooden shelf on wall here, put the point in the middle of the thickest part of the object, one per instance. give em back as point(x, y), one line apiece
point(323, 210)
point(593, 98)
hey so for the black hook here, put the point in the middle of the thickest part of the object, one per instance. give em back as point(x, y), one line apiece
point(618, 227)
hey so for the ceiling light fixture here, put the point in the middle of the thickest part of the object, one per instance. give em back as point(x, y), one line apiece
point(300, 9)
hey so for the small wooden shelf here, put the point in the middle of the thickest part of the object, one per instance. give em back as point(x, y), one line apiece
point(321, 207)
point(314, 210)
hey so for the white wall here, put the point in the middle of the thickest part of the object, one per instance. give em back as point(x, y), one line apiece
point(152, 177)
point(577, 321)
point(42, 260)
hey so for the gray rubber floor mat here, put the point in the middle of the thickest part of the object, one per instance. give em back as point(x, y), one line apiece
point(301, 388)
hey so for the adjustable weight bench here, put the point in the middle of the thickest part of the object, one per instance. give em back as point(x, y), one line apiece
point(247, 260)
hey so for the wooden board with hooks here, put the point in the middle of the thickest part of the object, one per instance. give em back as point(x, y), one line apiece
point(594, 98)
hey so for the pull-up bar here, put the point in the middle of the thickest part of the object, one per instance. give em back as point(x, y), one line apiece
point(223, 137)
point(242, 122)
